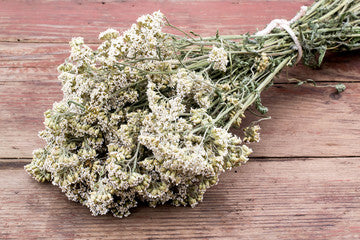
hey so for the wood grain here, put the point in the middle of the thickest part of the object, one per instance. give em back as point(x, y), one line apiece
point(297, 199)
point(47, 21)
point(29, 86)
point(17, 58)
point(306, 121)
point(33, 55)
point(302, 182)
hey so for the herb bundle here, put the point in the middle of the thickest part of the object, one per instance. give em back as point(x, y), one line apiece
point(146, 116)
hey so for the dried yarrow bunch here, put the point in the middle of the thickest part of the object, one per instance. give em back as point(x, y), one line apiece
point(146, 116)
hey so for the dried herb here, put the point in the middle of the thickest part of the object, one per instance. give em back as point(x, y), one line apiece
point(145, 117)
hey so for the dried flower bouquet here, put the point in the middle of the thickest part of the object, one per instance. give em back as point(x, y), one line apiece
point(146, 116)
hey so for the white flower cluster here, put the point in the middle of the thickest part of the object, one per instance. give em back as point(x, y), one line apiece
point(252, 133)
point(122, 135)
point(218, 57)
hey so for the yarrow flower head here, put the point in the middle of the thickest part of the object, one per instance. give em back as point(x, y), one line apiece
point(218, 57)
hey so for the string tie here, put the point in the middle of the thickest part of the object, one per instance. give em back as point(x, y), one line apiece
point(285, 24)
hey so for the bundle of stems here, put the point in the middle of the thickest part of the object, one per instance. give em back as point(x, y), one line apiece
point(255, 60)
point(146, 116)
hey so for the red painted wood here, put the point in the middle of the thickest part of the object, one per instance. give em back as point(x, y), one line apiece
point(306, 121)
point(336, 67)
point(299, 200)
point(279, 198)
point(58, 21)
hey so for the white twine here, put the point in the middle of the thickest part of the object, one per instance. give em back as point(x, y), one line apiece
point(285, 24)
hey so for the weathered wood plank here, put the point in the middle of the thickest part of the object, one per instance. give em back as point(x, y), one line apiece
point(309, 121)
point(299, 199)
point(39, 61)
point(306, 121)
point(44, 21)
point(36, 74)
point(22, 61)
point(34, 55)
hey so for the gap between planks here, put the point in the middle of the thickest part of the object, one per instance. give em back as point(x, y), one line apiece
point(15, 163)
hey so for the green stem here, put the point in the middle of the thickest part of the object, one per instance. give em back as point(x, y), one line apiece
point(254, 95)
point(77, 104)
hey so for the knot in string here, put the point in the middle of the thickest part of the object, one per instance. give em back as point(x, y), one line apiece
point(285, 24)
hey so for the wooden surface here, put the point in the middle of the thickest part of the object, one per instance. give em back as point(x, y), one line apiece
point(302, 182)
